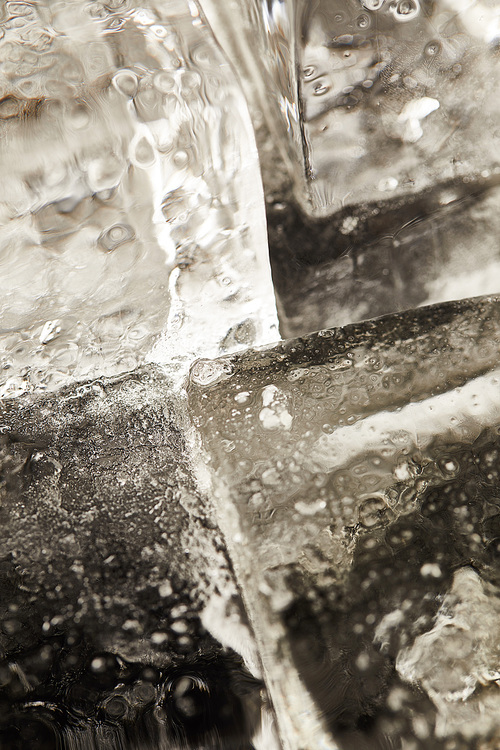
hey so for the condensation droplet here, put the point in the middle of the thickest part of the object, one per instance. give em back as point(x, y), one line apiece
point(321, 87)
point(432, 49)
point(372, 4)
point(363, 21)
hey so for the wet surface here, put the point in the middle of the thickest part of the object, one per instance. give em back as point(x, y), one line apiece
point(111, 564)
point(362, 465)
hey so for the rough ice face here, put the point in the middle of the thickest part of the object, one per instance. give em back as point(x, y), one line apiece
point(355, 472)
point(118, 603)
point(129, 182)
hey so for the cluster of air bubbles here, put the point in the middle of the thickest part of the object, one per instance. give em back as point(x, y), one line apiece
point(402, 10)
point(207, 372)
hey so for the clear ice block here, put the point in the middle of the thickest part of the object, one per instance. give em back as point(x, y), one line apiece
point(371, 98)
point(356, 476)
point(131, 207)
point(386, 113)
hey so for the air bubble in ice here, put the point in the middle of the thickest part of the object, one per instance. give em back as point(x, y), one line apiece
point(206, 372)
point(406, 10)
point(115, 236)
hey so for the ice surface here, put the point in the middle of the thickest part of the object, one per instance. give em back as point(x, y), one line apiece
point(114, 579)
point(371, 99)
point(356, 473)
point(385, 257)
point(131, 208)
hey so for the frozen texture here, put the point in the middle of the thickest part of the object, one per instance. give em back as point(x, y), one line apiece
point(131, 209)
point(372, 99)
point(355, 472)
point(385, 257)
point(112, 569)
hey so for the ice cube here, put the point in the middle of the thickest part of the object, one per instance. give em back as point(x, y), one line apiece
point(355, 512)
point(120, 614)
point(130, 188)
point(346, 86)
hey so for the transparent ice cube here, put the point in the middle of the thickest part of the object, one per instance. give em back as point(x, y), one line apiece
point(355, 472)
point(130, 183)
point(387, 116)
point(372, 97)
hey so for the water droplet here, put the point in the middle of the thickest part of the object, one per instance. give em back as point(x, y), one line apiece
point(116, 707)
point(363, 21)
point(372, 4)
point(164, 82)
point(126, 82)
point(142, 152)
point(432, 49)
point(321, 87)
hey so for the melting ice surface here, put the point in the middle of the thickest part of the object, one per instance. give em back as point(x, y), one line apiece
point(131, 205)
point(354, 474)
point(132, 228)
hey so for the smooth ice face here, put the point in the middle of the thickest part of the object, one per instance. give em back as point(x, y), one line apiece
point(355, 472)
point(130, 190)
